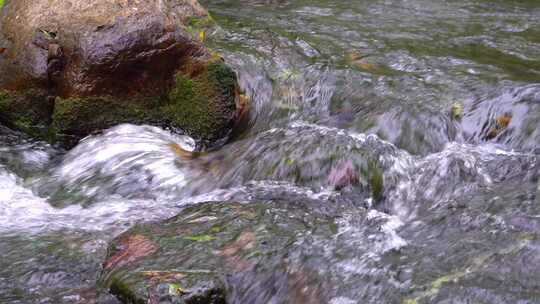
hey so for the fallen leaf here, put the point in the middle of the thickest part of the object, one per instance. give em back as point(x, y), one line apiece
point(202, 36)
point(184, 154)
point(501, 123)
point(231, 252)
point(131, 250)
point(245, 241)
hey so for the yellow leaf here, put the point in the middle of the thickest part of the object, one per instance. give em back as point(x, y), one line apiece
point(202, 36)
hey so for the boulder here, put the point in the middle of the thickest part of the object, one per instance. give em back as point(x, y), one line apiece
point(72, 67)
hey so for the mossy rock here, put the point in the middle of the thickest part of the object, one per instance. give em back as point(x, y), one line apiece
point(79, 67)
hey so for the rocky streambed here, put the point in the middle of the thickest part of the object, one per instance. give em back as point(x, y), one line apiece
point(389, 154)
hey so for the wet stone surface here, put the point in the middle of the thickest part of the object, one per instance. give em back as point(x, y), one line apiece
point(433, 106)
point(217, 252)
point(74, 68)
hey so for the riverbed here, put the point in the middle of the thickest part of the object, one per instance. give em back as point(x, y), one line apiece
point(436, 104)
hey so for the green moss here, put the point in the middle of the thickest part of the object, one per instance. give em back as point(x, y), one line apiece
point(375, 177)
point(200, 21)
point(77, 115)
point(5, 101)
point(203, 105)
point(123, 291)
point(74, 118)
point(25, 112)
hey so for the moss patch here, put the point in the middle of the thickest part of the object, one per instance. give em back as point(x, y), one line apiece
point(203, 106)
point(78, 116)
point(124, 292)
point(28, 112)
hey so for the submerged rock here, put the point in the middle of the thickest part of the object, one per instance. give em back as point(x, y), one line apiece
point(70, 68)
point(279, 246)
point(285, 245)
point(214, 252)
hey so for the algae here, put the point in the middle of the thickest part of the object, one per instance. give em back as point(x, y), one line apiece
point(201, 106)
point(123, 291)
point(19, 112)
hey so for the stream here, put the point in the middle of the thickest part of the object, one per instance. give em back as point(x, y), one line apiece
point(435, 105)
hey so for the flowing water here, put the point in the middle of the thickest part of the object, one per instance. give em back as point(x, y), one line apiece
point(436, 105)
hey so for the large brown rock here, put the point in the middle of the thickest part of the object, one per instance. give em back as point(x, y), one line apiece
point(72, 67)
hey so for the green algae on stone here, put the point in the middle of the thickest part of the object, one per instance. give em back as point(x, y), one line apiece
point(476, 264)
point(13, 113)
point(376, 181)
point(74, 261)
point(375, 178)
point(123, 292)
point(203, 104)
point(74, 117)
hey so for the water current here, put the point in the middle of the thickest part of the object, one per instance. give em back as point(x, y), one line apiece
point(435, 104)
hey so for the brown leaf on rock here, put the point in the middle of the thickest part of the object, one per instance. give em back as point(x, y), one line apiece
point(132, 249)
point(231, 252)
point(245, 241)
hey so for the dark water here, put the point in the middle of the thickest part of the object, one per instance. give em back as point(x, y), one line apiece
point(441, 99)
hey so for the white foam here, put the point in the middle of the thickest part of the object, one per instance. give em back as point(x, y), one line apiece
point(390, 226)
